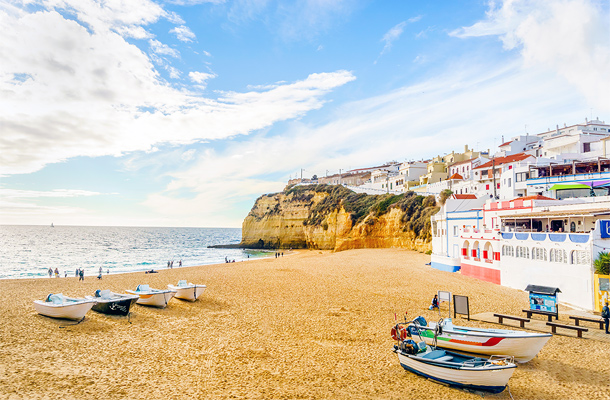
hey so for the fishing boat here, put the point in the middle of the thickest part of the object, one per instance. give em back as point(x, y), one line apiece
point(187, 291)
point(521, 345)
point(108, 302)
point(59, 306)
point(451, 368)
point(152, 297)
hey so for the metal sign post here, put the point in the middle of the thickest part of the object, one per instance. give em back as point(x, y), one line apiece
point(444, 296)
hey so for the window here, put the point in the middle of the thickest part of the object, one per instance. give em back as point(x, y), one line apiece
point(558, 256)
point(539, 253)
point(586, 147)
point(498, 186)
point(508, 182)
point(455, 231)
point(508, 251)
point(522, 176)
point(580, 257)
point(486, 187)
point(522, 252)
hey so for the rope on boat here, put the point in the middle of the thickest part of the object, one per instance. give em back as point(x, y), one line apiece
point(509, 393)
point(64, 326)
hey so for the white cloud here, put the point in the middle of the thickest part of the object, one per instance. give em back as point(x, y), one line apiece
point(183, 33)
point(92, 93)
point(569, 37)
point(159, 48)
point(201, 77)
point(394, 34)
point(22, 194)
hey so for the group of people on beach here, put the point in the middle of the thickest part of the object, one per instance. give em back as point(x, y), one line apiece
point(78, 273)
point(170, 264)
point(228, 261)
point(278, 254)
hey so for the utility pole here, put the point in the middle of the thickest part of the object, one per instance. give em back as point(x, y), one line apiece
point(493, 172)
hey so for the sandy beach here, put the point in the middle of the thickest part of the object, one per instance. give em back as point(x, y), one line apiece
point(312, 325)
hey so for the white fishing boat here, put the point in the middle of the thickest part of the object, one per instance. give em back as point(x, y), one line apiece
point(521, 345)
point(187, 291)
point(453, 369)
point(59, 306)
point(152, 297)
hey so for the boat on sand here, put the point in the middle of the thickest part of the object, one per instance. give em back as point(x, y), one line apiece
point(152, 297)
point(521, 345)
point(187, 291)
point(59, 306)
point(108, 302)
point(451, 368)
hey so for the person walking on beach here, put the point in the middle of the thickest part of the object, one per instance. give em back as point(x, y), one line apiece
point(81, 275)
point(50, 272)
point(606, 316)
point(76, 272)
point(100, 270)
point(167, 264)
point(56, 273)
point(171, 264)
point(180, 263)
point(434, 303)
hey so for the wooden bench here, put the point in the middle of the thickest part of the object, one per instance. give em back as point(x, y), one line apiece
point(550, 315)
point(555, 325)
point(594, 320)
point(521, 320)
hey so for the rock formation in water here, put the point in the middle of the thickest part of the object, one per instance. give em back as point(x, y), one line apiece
point(335, 218)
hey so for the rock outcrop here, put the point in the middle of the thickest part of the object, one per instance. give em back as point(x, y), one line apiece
point(334, 218)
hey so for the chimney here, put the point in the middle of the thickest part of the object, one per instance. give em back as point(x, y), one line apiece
point(557, 127)
point(586, 120)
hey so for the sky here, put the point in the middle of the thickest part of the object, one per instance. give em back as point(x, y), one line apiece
point(183, 112)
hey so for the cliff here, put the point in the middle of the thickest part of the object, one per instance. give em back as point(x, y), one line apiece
point(335, 218)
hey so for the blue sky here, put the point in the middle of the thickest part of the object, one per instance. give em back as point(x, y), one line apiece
point(183, 112)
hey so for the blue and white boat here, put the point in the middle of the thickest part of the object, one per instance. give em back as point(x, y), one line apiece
point(450, 368)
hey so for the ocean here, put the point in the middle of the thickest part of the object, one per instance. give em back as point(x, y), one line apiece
point(29, 251)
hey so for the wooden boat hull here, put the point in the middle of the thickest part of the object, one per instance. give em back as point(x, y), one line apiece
point(115, 306)
point(75, 311)
point(153, 299)
point(490, 379)
point(523, 346)
point(190, 292)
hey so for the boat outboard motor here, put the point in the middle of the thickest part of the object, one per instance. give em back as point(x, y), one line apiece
point(412, 330)
point(409, 346)
point(421, 321)
point(97, 293)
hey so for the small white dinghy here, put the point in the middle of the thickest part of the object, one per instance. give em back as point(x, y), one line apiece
point(59, 306)
point(152, 297)
point(187, 291)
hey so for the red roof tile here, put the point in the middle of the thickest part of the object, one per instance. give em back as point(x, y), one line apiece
point(504, 144)
point(505, 160)
point(464, 196)
point(456, 176)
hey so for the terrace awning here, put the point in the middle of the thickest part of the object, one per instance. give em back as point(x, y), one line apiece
point(562, 186)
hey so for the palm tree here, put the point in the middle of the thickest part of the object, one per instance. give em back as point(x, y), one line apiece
point(602, 264)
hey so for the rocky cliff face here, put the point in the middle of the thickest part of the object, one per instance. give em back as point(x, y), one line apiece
point(334, 218)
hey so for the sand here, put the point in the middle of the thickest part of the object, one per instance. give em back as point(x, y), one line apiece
point(312, 325)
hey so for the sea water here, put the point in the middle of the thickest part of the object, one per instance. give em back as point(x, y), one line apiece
point(29, 251)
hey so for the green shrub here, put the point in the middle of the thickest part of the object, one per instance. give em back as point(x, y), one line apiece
point(602, 264)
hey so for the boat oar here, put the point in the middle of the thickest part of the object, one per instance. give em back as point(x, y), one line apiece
point(82, 319)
